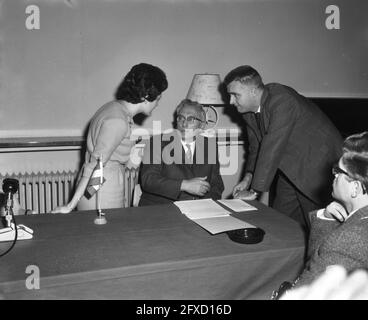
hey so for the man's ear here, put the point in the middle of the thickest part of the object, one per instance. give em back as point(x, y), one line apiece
point(356, 189)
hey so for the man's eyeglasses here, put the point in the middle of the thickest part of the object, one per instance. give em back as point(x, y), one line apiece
point(189, 119)
point(337, 170)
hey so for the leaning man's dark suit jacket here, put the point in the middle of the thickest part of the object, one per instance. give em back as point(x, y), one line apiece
point(332, 242)
point(163, 169)
point(294, 136)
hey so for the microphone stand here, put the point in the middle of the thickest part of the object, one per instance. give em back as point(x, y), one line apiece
point(100, 219)
point(12, 231)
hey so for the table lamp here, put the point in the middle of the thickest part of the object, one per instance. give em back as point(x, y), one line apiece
point(205, 90)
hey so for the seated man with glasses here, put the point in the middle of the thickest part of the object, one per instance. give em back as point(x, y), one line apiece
point(339, 233)
point(181, 164)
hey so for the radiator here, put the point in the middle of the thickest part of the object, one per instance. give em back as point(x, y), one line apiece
point(43, 192)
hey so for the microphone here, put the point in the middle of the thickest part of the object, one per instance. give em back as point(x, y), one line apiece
point(12, 232)
point(10, 187)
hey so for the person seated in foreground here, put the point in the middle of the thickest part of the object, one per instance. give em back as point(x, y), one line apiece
point(339, 233)
point(181, 164)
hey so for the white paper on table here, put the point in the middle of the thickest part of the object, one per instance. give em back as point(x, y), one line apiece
point(216, 225)
point(199, 209)
point(237, 205)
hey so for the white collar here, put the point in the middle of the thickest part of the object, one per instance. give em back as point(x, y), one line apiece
point(351, 213)
point(185, 144)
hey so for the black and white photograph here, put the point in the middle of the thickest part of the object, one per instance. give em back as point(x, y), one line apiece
point(188, 156)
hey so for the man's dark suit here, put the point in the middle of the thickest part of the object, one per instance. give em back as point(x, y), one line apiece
point(295, 137)
point(163, 169)
point(332, 242)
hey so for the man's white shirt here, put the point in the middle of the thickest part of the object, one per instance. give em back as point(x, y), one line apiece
point(192, 147)
point(320, 215)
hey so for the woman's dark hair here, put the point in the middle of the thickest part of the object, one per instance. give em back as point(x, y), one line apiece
point(143, 82)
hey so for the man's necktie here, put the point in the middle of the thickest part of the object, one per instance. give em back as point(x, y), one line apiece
point(259, 124)
point(188, 155)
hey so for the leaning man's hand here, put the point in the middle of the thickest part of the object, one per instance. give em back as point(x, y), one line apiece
point(246, 195)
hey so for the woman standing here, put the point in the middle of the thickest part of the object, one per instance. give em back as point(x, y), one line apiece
point(109, 133)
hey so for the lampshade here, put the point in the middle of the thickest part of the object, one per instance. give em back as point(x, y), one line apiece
point(205, 89)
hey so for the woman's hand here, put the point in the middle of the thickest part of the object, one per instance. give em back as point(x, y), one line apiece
point(62, 209)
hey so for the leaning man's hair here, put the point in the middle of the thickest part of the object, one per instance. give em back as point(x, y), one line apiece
point(246, 75)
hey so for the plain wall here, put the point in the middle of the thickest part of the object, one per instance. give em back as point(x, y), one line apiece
point(54, 79)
